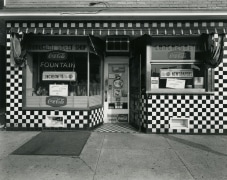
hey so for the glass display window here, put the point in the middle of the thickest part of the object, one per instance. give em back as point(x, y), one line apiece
point(176, 66)
point(68, 78)
point(177, 76)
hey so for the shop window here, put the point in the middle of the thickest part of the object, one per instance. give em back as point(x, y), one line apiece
point(60, 79)
point(177, 66)
point(54, 78)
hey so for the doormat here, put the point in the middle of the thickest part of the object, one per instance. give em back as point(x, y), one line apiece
point(68, 143)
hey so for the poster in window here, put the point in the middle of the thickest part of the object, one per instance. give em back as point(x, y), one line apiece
point(175, 83)
point(58, 90)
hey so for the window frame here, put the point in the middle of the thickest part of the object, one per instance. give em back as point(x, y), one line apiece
point(208, 77)
point(71, 99)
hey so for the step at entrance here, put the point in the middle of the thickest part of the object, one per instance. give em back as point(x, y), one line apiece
point(116, 128)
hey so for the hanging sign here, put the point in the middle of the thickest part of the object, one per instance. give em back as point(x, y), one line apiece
point(57, 55)
point(176, 73)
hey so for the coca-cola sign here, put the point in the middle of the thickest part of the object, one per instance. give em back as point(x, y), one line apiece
point(56, 101)
point(179, 55)
point(56, 55)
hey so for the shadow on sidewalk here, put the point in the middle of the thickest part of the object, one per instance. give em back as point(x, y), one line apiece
point(194, 145)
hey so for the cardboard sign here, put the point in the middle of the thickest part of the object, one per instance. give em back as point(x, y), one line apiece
point(58, 90)
point(175, 83)
point(154, 82)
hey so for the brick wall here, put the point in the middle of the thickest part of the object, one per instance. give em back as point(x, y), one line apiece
point(208, 4)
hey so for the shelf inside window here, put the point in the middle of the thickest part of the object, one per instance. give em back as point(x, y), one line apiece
point(179, 91)
point(167, 61)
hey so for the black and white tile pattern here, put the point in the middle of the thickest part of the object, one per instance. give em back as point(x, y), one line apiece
point(207, 113)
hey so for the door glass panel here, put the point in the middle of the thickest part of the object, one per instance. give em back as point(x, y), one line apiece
point(117, 87)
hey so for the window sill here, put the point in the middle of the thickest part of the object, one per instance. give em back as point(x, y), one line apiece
point(61, 108)
point(179, 91)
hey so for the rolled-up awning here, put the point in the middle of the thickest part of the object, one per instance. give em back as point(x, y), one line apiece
point(119, 28)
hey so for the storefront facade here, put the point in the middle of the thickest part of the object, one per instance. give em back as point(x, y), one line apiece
point(79, 74)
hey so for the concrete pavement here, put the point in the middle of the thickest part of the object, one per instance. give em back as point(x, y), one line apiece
point(108, 156)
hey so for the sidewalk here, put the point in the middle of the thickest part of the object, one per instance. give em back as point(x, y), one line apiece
point(121, 156)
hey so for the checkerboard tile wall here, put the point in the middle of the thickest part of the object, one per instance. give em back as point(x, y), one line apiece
point(205, 116)
point(72, 119)
point(96, 117)
point(28, 119)
point(206, 112)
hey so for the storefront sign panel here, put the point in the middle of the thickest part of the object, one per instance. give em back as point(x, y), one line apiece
point(176, 73)
point(56, 101)
point(57, 47)
point(59, 76)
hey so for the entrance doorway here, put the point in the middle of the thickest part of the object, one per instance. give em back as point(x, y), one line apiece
point(116, 87)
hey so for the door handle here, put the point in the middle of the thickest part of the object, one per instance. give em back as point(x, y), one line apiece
point(105, 96)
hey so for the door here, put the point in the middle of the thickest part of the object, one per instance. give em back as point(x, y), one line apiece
point(116, 100)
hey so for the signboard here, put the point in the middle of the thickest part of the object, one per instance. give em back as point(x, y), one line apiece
point(58, 90)
point(59, 76)
point(56, 101)
point(57, 55)
point(118, 68)
point(175, 83)
point(69, 47)
point(176, 73)
point(179, 55)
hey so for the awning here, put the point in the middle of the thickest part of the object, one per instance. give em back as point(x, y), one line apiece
point(129, 31)
point(132, 28)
